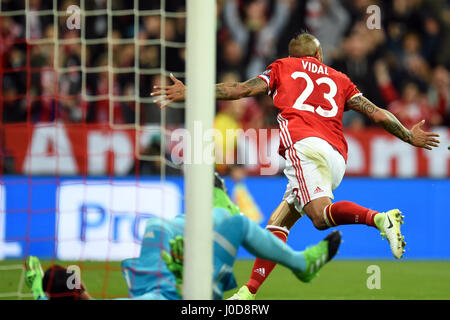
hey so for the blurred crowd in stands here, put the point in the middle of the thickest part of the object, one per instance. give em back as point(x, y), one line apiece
point(403, 66)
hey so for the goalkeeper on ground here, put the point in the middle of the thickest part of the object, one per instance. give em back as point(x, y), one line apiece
point(148, 277)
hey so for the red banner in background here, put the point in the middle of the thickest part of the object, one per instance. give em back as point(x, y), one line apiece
point(77, 149)
point(69, 149)
point(373, 152)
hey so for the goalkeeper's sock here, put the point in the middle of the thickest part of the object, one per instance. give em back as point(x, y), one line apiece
point(346, 212)
point(262, 268)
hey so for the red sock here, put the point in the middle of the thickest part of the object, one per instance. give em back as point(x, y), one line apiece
point(346, 212)
point(262, 268)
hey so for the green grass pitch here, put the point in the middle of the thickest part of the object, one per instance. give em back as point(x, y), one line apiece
point(341, 279)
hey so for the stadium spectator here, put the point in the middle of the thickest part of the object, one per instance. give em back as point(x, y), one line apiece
point(412, 42)
point(232, 116)
point(439, 95)
point(230, 58)
point(411, 105)
point(356, 60)
point(328, 21)
point(256, 31)
point(144, 166)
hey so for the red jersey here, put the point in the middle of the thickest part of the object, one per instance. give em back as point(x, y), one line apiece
point(311, 98)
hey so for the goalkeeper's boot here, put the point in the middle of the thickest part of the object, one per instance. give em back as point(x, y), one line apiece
point(243, 294)
point(317, 256)
point(33, 277)
point(389, 224)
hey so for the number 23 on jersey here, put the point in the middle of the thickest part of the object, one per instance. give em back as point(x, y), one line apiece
point(300, 102)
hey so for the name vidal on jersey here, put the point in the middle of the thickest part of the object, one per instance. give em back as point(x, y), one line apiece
point(312, 67)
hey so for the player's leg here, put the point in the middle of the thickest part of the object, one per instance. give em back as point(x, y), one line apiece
point(240, 230)
point(325, 214)
point(279, 224)
point(322, 170)
point(264, 245)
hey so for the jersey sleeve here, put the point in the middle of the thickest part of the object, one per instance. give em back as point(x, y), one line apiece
point(351, 91)
point(270, 76)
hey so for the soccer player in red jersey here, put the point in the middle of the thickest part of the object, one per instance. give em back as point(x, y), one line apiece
point(311, 98)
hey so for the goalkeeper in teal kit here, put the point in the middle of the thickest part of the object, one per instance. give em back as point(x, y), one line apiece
point(150, 277)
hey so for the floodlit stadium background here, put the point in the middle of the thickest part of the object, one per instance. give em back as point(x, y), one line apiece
point(79, 133)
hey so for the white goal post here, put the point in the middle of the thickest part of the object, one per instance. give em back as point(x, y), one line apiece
point(200, 109)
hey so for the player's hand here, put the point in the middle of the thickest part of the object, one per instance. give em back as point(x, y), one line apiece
point(168, 94)
point(423, 139)
point(174, 260)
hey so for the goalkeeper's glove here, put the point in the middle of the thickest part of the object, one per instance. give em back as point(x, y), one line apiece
point(174, 260)
point(33, 277)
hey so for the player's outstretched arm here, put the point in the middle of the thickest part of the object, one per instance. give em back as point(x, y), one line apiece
point(238, 90)
point(416, 136)
point(224, 91)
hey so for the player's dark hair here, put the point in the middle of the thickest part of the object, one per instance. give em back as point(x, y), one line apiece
point(55, 285)
point(304, 44)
